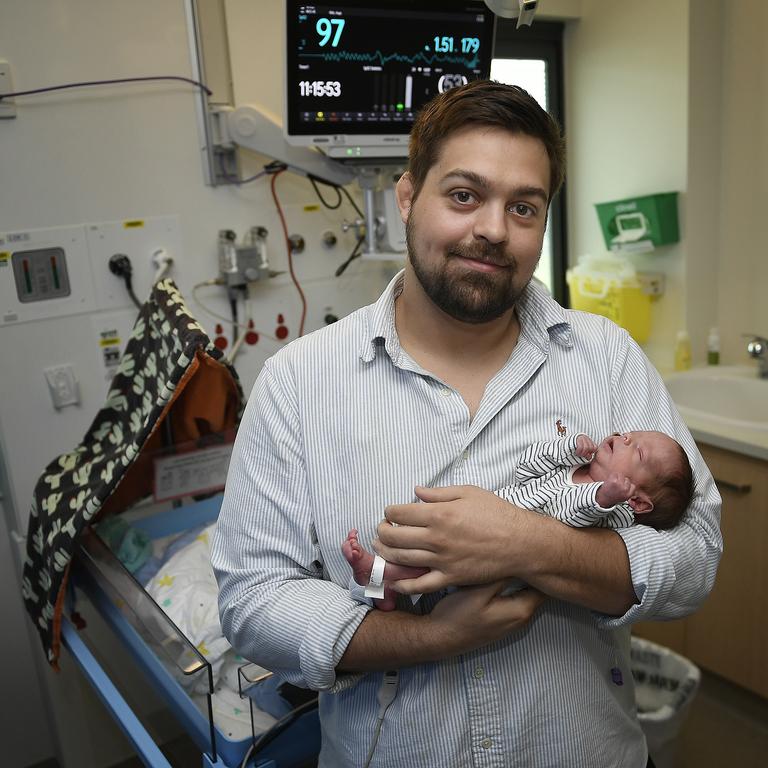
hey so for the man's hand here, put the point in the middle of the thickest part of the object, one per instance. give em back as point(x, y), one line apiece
point(472, 617)
point(466, 535)
point(456, 535)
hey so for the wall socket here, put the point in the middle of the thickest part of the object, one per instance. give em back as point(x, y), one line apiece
point(7, 106)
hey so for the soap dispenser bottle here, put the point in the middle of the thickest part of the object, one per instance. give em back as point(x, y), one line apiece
point(713, 347)
point(682, 351)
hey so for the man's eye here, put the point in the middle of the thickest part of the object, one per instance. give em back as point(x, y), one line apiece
point(523, 209)
point(463, 197)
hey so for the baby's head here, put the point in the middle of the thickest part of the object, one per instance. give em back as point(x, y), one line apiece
point(658, 467)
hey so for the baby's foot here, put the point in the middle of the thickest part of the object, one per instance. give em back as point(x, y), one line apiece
point(361, 562)
point(359, 558)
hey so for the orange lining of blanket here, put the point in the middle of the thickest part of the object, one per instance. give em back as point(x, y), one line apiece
point(202, 404)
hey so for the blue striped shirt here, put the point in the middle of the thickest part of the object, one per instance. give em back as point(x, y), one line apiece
point(341, 423)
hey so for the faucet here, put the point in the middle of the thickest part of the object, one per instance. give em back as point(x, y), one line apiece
point(757, 348)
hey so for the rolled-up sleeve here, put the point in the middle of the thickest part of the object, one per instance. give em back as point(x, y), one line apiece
point(672, 570)
point(275, 607)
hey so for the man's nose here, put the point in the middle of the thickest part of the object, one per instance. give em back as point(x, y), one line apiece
point(491, 223)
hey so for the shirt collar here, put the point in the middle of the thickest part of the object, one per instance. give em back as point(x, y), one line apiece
point(381, 323)
point(542, 320)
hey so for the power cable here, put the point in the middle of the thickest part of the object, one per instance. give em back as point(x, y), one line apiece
point(114, 81)
point(277, 729)
point(216, 316)
point(290, 251)
point(120, 265)
point(352, 256)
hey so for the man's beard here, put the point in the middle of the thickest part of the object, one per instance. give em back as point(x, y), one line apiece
point(472, 296)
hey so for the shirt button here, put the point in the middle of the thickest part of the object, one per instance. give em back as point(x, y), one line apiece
point(445, 392)
point(479, 672)
point(465, 455)
point(486, 743)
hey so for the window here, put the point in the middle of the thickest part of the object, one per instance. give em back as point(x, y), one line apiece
point(531, 57)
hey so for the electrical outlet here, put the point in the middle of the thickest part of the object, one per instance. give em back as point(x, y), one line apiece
point(142, 240)
point(7, 106)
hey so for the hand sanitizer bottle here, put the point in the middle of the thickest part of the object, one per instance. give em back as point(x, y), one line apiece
point(682, 351)
point(713, 347)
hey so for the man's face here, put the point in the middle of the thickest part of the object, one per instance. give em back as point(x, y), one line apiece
point(475, 230)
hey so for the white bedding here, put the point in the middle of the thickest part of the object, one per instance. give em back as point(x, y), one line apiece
point(185, 588)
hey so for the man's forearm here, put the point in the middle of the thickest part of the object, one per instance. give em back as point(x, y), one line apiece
point(466, 619)
point(587, 566)
point(390, 640)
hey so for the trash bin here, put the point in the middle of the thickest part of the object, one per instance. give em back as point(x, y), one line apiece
point(608, 285)
point(665, 685)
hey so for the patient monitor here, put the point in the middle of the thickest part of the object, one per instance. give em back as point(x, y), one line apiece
point(358, 71)
point(356, 74)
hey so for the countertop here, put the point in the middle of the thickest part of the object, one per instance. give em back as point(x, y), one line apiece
point(704, 431)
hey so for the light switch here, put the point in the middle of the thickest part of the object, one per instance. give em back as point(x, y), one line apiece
point(62, 385)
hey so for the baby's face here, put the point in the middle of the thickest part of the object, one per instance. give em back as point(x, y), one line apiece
point(643, 457)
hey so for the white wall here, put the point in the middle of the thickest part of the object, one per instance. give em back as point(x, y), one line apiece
point(742, 265)
point(626, 81)
point(673, 95)
point(704, 196)
point(111, 154)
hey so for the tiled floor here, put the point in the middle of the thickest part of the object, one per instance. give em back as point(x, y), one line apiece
point(726, 727)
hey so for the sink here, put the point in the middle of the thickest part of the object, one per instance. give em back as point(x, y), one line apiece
point(726, 397)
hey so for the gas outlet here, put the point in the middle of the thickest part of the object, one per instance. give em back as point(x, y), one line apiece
point(62, 385)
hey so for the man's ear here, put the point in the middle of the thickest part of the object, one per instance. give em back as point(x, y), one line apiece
point(404, 195)
point(641, 503)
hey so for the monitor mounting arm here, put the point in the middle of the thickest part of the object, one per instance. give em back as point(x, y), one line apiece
point(250, 128)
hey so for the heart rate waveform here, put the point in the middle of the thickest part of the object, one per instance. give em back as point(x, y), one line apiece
point(423, 58)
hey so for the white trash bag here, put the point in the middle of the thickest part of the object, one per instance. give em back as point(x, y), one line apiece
point(665, 685)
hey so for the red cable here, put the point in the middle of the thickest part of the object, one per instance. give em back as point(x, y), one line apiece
point(290, 253)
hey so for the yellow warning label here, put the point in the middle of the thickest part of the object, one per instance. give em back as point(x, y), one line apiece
point(111, 342)
point(4, 255)
point(133, 224)
point(311, 207)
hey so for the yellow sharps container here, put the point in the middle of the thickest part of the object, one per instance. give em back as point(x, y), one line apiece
point(607, 285)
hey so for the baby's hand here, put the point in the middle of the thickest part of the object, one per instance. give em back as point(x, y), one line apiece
point(585, 447)
point(615, 489)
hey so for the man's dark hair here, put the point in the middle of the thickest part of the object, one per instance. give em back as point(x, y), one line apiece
point(483, 103)
point(672, 496)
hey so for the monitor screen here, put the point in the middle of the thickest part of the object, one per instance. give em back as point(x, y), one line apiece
point(357, 71)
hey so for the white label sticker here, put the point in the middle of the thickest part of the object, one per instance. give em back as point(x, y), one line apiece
point(187, 474)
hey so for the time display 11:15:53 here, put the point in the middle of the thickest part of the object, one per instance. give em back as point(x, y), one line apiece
point(320, 87)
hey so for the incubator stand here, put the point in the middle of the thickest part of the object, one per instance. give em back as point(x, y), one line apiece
point(169, 661)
